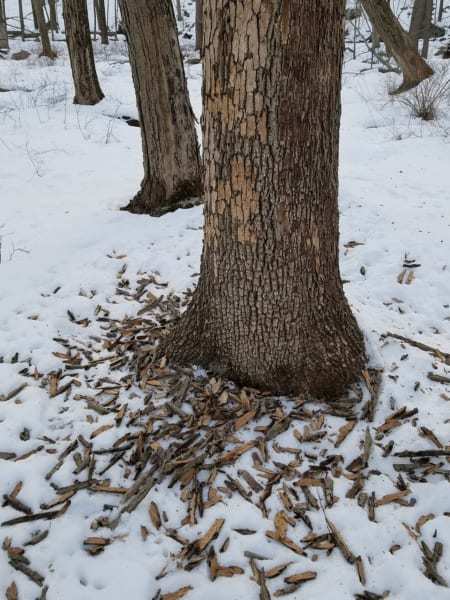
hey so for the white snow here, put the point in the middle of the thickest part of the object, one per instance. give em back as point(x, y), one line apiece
point(65, 171)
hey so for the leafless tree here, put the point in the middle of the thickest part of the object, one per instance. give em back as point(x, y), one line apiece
point(38, 11)
point(76, 21)
point(102, 22)
point(398, 42)
point(172, 172)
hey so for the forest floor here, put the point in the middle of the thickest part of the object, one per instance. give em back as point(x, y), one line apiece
point(242, 495)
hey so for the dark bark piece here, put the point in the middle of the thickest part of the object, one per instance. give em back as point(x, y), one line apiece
point(399, 43)
point(38, 12)
point(33, 575)
point(172, 173)
point(76, 20)
point(102, 23)
point(36, 517)
point(269, 309)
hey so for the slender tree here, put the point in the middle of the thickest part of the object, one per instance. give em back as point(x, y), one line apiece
point(398, 42)
point(3, 29)
point(38, 12)
point(76, 20)
point(270, 309)
point(102, 23)
point(21, 21)
point(172, 171)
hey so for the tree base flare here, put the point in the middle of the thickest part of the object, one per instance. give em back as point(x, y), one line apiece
point(155, 202)
point(90, 101)
point(322, 366)
point(410, 84)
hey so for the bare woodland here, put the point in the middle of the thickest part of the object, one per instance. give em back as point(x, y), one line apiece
point(233, 382)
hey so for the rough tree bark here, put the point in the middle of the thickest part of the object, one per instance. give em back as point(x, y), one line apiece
point(102, 23)
point(38, 12)
point(398, 42)
point(4, 44)
point(270, 309)
point(198, 25)
point(76, 20)
point(172, 173)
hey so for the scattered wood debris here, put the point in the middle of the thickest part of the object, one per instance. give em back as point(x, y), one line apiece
point(210, 439)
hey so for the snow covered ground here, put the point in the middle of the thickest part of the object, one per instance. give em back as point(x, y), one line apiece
point(64, 173)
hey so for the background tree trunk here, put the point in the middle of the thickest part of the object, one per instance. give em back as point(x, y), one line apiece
point(102, 23)
point(4, 44)
point(21, 20)
point(54, 25)
point(172, 171)
point(76, 20)
point(269, 309)
point(398, 42)
point(417, 20)
point(428, 19)
point(47, 50)
point(441, 10)
point(198, 25)
point(35, 19)
point(420, 26)
point(179, 11)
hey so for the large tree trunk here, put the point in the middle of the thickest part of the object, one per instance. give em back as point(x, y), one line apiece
point(172, 173)
point(76, 20)
point(198, 25)
point(102, 23)
point(3, 30)
point(270, 309)
point(398, 42)
point(38, 11)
